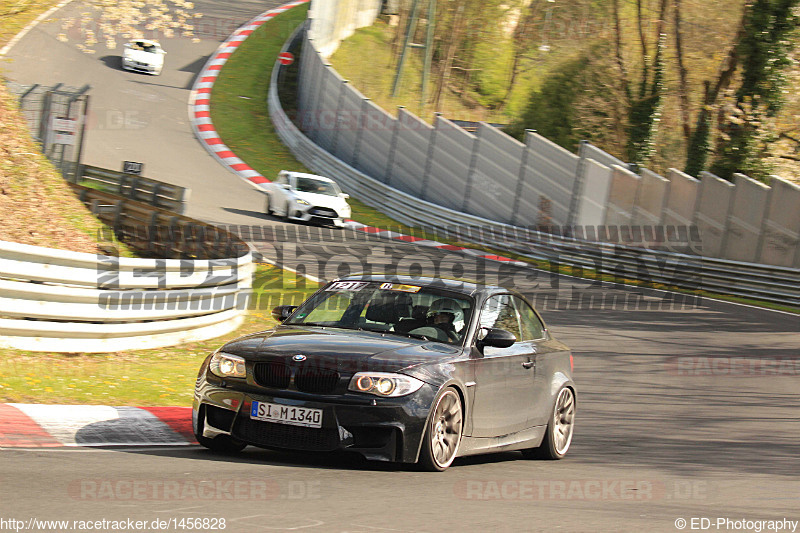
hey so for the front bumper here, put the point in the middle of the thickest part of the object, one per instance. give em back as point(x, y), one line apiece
point(129, 64)
point(386, 429)
point(325, 215)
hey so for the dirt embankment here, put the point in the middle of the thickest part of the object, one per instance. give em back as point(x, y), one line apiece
point(36, 204)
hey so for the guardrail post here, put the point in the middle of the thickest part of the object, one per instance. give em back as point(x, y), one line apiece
point(426, 176)
point(115, 225)
point(521, 179)
point(473, 163)
point(362, 122)
point(338, 120)
point(577, 188)
point(156, 189)
point(392, 148)
point(315, 120)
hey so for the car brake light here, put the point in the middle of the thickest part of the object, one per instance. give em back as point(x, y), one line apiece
point(571, 365)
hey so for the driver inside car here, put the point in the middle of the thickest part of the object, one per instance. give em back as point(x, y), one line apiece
point(440, 321)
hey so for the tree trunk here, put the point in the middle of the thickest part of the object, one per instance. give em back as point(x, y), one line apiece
point(522, 41)
point(700, 141)
point(620, 63)
point(683, 84)
point(447, 65)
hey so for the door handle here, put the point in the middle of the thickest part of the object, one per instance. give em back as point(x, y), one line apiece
point(528, 364)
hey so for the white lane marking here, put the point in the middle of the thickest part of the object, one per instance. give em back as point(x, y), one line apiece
point(7, 48)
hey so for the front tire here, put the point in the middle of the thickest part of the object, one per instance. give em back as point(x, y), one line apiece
point(443, 432)
point(219, 444)
point(558, 435)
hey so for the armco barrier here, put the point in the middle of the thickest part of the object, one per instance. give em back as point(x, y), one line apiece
point(779, 285)
point(63, 301)
point(138, 188)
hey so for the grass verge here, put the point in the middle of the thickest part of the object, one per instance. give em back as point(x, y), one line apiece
point(162, 376)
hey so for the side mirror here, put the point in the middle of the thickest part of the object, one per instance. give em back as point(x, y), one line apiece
point(286, 186)
point(282, 312)
point(344, 195)
point(497, 338)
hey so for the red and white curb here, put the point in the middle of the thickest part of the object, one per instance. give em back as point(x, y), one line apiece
point(200, 117)
point(52, 426)
point(199, 99)
point(387, 234)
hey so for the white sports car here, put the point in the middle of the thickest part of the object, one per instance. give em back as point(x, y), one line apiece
point(143, 55)
point(307, 197)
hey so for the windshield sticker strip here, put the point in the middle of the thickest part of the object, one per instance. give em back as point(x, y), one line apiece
point(400, 287)
point(347, 286)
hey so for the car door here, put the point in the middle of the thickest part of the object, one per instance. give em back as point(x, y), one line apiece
point(503, 389)
point(534, 334)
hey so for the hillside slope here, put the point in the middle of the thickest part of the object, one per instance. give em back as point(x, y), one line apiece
point(36, 204)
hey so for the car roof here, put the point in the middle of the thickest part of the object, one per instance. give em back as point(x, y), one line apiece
point(456, 285)
point(312, 176)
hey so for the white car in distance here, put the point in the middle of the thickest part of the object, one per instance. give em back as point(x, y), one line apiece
point(307, 197)
point(143, 55)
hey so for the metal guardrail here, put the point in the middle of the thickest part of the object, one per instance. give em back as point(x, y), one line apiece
point(159, 233)
point(686, 271)
point(138, 188)
point(196, 286)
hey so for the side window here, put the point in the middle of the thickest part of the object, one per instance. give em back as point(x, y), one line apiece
point(499, 312)
point(532, 327)
point(282, 180)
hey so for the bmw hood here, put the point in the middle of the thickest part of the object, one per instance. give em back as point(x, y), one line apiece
point(346, 351)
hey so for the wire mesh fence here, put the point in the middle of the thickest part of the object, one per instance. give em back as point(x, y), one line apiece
point(56, 117)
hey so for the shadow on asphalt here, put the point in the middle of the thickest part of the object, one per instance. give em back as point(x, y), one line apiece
point(113, 62)
point(194, 68)
point(250, 213)
point(316, 460)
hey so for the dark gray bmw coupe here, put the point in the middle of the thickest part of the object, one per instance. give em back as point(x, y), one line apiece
point(396, 369)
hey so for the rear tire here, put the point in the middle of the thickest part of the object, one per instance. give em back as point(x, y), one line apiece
point(558, 435)
point(268, 206)
point(442, 433)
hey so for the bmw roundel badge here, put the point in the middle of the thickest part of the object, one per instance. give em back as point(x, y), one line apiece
point(299, 358)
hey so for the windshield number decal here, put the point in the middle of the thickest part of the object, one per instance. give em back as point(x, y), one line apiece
point(347, 286)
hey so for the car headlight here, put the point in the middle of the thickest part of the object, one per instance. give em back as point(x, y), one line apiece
point(301, 202)
point(226, 365)
point(384, 384)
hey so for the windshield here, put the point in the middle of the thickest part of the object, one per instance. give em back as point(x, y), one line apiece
point(407, 310)
point(317, 186)
point(145, 47)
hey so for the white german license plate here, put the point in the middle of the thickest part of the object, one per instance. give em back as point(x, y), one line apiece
point(287, 414)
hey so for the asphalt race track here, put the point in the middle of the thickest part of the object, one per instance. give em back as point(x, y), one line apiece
point(686, 409)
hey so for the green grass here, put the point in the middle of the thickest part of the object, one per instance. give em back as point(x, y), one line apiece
point(162, 376)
